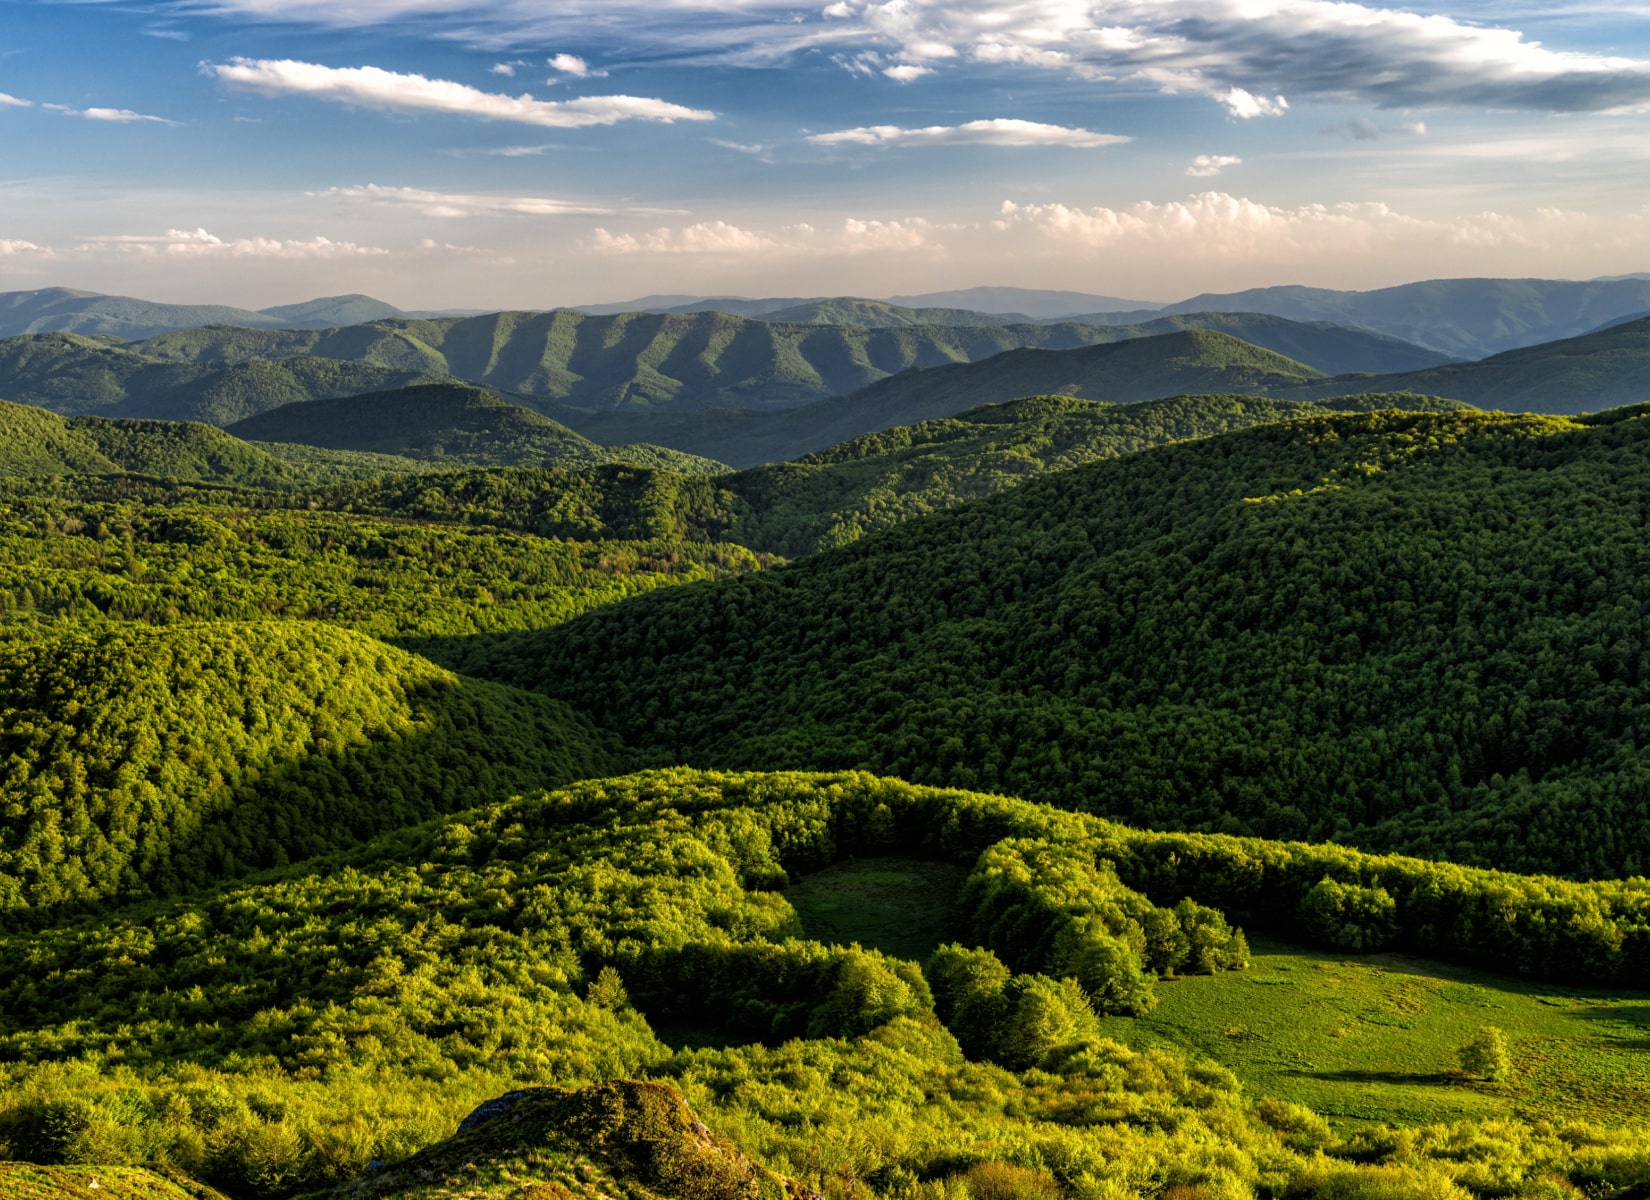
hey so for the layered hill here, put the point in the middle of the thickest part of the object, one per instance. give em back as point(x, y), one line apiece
point(1465, 318)
point(1604, 369)
point(146, 761)
point(73, 375)
point(1400, 630)
point(448, 423)
point(65, 310)
point(35, 442)
point(1188, 362)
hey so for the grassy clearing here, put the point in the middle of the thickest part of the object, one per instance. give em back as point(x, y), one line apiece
point(901, 906)
point(24, 1181)
point(1375, 1038)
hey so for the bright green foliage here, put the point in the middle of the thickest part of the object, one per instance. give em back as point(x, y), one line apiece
point(81, 549)
point(447, 423)
point(282, 1032)
point(1349, 917)
point(141, 761)
point(1486, 1056)
point(1418, 632)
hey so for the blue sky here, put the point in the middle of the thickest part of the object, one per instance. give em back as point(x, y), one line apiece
point(537, 152)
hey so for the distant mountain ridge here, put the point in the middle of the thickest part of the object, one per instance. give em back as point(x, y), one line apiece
point(93, 314)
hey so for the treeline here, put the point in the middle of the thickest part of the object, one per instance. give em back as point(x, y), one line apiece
point(1419, 633)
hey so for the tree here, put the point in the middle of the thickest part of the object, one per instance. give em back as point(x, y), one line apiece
point(1486, 1056)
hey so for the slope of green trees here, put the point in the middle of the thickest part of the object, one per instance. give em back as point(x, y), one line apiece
point(142, 761)
point(448, 423)
point(1401, 631)
point(283, 1033)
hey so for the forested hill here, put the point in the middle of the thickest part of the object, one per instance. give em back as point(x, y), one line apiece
point(1599, 370)
point(1396, 630)
point(1188, 362)
point(448, 423)
point(34, 442)
point(74, 375)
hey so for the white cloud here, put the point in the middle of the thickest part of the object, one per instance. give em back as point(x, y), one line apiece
point(373, 87)
point(998, 132)
point(120, 116)
point(1244, 105)
point(198, 243)
point(1362, 129)
point(572, 64)
point(458, 204)
point(16, 247)
point(906, 72)
point(707, 237)
point(1242, 53)
point(755, 149)
point(13, 102)
point(506, 69)
point(1205, 165)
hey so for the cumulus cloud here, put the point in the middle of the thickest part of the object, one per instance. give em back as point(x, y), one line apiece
point(998, 132)
point(373, 87)
point(572, 64)
point(198, 243)
point(707, 237)
point(16, 247)
point(508, 70)
point(906, 72)
point(1212, 164)
point(718, 238)
point(1242, 53)
point(459, 204)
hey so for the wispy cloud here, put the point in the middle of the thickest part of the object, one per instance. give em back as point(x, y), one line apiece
point(1246, 54)
point(721, 239)
point(1205, 165)
point(572, 64)
point(198, 243)
point(756, 150)
point(458, 204)
point(998, 132)
point(1362, 129)
point(119, 116)
point(13, 102)
point(373, 87)
point(17, 247)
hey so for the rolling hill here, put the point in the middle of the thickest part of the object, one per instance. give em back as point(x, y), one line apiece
point(70, 374)
point(448, 423)
point(65, 310)
point(1405, 631)
point(159, 760)
point(1600, 370)
point(1463, 318)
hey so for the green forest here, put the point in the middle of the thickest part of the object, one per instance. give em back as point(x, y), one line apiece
point(969, 791)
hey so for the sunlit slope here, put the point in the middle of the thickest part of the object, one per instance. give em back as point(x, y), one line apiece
point(151, 760)
point(1418, 632)
point(1600, 370)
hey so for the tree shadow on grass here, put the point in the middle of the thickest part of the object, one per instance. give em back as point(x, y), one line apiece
point(1412, 1078)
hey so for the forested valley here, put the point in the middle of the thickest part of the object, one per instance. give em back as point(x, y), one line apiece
point(1130, 796)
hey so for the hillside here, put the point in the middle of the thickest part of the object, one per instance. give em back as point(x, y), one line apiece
point(73, 375)
point(1402, 631)
point(92, 314)
point(1597, 371)
point(159, 760)
point(1463, 318)
point(34, 442)
point(448, 423)
point(1035, 302)
point(606, 989)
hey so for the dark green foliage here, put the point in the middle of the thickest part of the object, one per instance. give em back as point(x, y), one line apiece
point(1417, 632)
point(447, 423)
point(1349, 917)
point(145, 762)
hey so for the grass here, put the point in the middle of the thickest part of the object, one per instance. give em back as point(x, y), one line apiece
point(901, 906)
point(23, 1181)
point(1375, 1038)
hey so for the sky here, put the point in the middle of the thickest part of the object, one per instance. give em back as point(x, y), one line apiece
point(530, 153)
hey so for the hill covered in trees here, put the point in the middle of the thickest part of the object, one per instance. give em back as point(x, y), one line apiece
point(448, 423)
point(1600, 370)
point(1402, 631)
